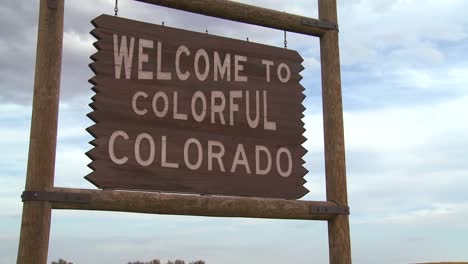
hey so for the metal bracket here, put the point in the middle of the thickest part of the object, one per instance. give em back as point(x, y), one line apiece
point(52, 4)
point(319, 23)
point(336, 209)
point(55, 197)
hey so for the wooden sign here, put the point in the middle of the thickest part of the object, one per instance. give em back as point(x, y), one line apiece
point(180, 111)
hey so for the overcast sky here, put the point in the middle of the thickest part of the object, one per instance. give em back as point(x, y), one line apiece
point(405, 95)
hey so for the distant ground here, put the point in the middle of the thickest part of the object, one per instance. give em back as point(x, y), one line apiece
point(444, 263)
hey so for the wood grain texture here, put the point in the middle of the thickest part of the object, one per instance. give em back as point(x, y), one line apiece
point(244, 13)
point(197, 205)
point(35, 225)
point(335, 166)
point(113, 111)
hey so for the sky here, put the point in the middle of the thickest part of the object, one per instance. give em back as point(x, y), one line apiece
point(405, 98)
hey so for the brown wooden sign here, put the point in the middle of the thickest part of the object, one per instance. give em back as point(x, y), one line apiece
point(180, 111)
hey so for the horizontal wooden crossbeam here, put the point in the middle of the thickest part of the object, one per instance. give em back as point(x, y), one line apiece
point(250, 14)
point(190, 204)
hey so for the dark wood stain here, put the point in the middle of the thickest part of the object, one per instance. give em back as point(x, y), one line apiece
point(113, 112)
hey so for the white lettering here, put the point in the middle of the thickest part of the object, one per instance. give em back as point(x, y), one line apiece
point(123, 54)
point(143, 57)
point(288, 73)
point(267, 125)
point(112, 155)
point(204, 75)
point(215, 155)
point(268, 64)
point(176, 114)
point(201, 97)
point(160, 74)
point(224, 69)
point(182, 76)
point(164, 162)
point(265, 150)
point(238, 68)
point(218, 108)
point(138, 158)
point(233, 107)
point(198, 163)
point(281, 172)
point(240, 159)
point(163, 96)
point(134, 101)
point(252, 123)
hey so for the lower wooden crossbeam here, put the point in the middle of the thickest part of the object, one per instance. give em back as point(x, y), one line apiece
point(191, 204)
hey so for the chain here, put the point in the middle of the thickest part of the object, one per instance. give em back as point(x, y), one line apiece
point(285, 40)
point(116, 8)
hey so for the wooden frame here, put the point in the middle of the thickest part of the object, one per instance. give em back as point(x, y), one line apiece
point(35, 225)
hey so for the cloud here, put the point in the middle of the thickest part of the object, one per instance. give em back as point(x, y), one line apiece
point(377, 26)
point(17, 66)
point(451, 213)
point(399, 159)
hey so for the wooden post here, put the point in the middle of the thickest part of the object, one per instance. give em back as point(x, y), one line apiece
point(335, 167)
point(35, 225)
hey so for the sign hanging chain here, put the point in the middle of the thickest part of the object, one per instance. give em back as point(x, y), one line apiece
point(116, 8)
point(285, 40)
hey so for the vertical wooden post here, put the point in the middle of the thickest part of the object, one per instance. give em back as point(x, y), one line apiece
point(35, 224)
point(335, 166)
